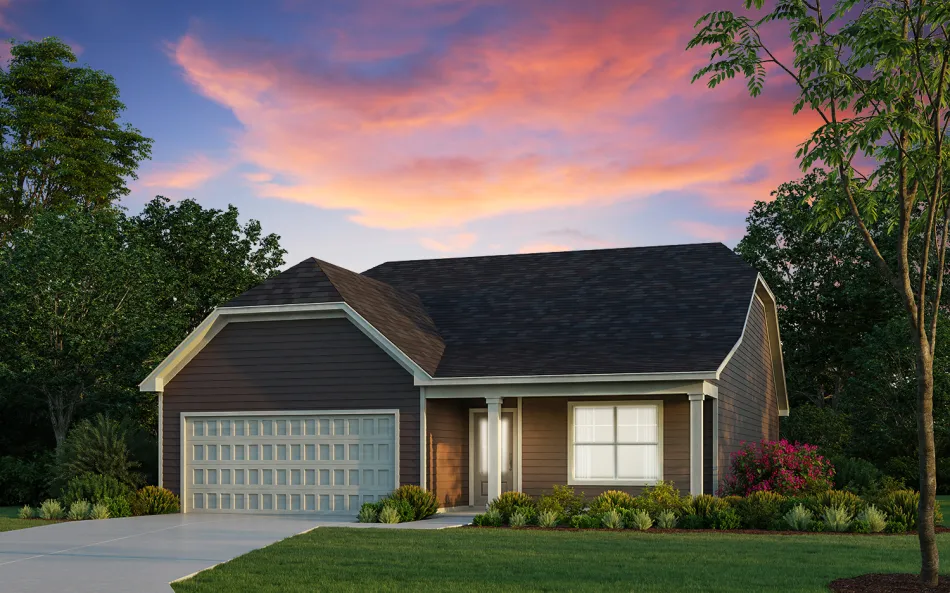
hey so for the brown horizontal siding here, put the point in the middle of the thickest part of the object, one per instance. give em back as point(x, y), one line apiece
point(447, 450)
point(748, 408)
point(544, 446)
point(314, 364)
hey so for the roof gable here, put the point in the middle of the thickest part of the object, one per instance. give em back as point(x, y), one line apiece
point(303, 283)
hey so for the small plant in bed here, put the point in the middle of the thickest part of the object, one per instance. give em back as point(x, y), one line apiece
point(27, 512)
point(79, 510)
point(424, 504)
point(51, 509)
point(509, 501)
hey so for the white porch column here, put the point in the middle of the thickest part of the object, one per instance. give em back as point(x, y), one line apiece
point(696, 443)
point(494, 447)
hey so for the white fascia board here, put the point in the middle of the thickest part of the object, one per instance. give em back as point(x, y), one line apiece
point(221, 316)
point(595, 378)
point(569, 389)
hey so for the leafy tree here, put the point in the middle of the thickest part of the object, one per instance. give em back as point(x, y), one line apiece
point(828, 291)
point(77, 309)
point(60, 142)
point(876, 73)
point(211, 257)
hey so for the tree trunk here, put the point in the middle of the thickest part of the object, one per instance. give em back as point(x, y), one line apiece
point(61, 407)
point(929, 560)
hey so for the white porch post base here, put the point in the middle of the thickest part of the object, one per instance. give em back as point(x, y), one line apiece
point(696, 443)
point(494, 447)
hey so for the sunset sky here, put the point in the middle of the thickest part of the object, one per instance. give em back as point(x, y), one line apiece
point(400, 129)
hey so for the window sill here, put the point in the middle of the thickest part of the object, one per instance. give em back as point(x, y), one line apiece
point(574, 482)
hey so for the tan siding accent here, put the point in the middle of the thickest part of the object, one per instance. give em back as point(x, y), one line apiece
point(312, 364)
point(748, 408)
point(544, 443)
point(447, 450)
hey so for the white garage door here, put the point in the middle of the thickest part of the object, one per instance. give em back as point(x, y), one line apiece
point(296, 463)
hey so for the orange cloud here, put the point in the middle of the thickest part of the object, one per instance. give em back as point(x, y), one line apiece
point(562, 107)
point(188, 174)
point(709, 232)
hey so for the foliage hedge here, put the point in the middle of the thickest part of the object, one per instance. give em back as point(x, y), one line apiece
point(663, 507)
point(152, 500)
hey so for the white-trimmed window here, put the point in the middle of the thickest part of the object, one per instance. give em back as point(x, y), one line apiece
point(616, 443)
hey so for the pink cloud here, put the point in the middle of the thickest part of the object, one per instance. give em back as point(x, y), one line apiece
point(543, 248)
point(705, 231)
point(561, 108)
point(188, 174)
point(454, 244)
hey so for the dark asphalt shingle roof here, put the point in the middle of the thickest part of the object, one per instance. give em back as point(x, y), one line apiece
point(676, 308)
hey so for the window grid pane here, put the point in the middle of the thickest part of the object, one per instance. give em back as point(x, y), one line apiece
point(615, 443)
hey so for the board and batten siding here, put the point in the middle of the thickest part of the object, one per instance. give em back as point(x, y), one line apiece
point(312, 364)
point(544, 444)
point(748, 408)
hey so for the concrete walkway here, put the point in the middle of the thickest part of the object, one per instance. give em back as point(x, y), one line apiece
point(144, 554)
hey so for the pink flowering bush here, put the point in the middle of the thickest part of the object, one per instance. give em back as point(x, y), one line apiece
point(777, 466)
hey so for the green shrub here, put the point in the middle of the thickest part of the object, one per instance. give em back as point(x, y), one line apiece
point(152, 500)
point(402, 507)
point(563, 500)
point(389, 514)
point(896, 527)
point(798, 518)
point(506, 503)
point(874, 517)
point(666, 520)
point(424, 503)
point(901, 505)
point(611, 500)
point(612, 519)
point(494, 518)
point(530, 514)
point(858, 526)
point(94, 488)
point(585, 521)
point(369, 513)
point(817, 526)
point(662, 496)
point(640, 520)
point(118, 507)
point(99, 511)
point(760, 509)
point(519, 518)
point(26, 512)
point(24, 481)
point(51, 509)
point(98, 446)
point(849, 501)
point(856, 475)
point(79, 510)
point(732, 501)
point(705, 506)
point(725, 519)
point(691, 522)
point(837, 519)
point(548, 518)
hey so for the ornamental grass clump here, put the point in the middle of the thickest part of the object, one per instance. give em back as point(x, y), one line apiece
point(152, 500)
point(798, 518)
point(51, 509)
point(549, 518)
point(875, 518)
point(611, 500)
point(26, 512)
point(424, 503)
point(778, 466)
point(760, 509)
point(612, 519)
point(99, 511)
point(666, 520)
point(389, 514)
point(79, 510)
point(369, 513)
point(849, 501)
point(508, 501)
point(837, 519)
point(519, 518)
point(706, 506)
point(639, 520)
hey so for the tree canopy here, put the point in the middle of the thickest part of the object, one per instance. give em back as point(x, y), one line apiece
point(61, 143)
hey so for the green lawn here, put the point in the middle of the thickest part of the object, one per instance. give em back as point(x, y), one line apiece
point(945, 507)
point(9, 521)
point(340, 559)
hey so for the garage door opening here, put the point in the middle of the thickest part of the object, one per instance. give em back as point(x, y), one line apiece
point(288, 462)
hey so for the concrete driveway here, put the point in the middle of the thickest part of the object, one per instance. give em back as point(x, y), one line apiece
point(141, 554)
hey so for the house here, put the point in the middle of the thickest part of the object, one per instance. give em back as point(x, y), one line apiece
point(323, 388)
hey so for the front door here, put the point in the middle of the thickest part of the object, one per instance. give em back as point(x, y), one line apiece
point(479, 455)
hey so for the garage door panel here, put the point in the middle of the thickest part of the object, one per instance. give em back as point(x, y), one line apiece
point(301, 463)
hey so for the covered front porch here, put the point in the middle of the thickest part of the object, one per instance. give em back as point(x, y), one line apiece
point(481, 441)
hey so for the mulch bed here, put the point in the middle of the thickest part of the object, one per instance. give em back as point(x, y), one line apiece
point(887, 583)
point(736, 531)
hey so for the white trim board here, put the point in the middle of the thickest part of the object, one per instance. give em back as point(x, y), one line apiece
point(220, 317)
point(515, 449)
